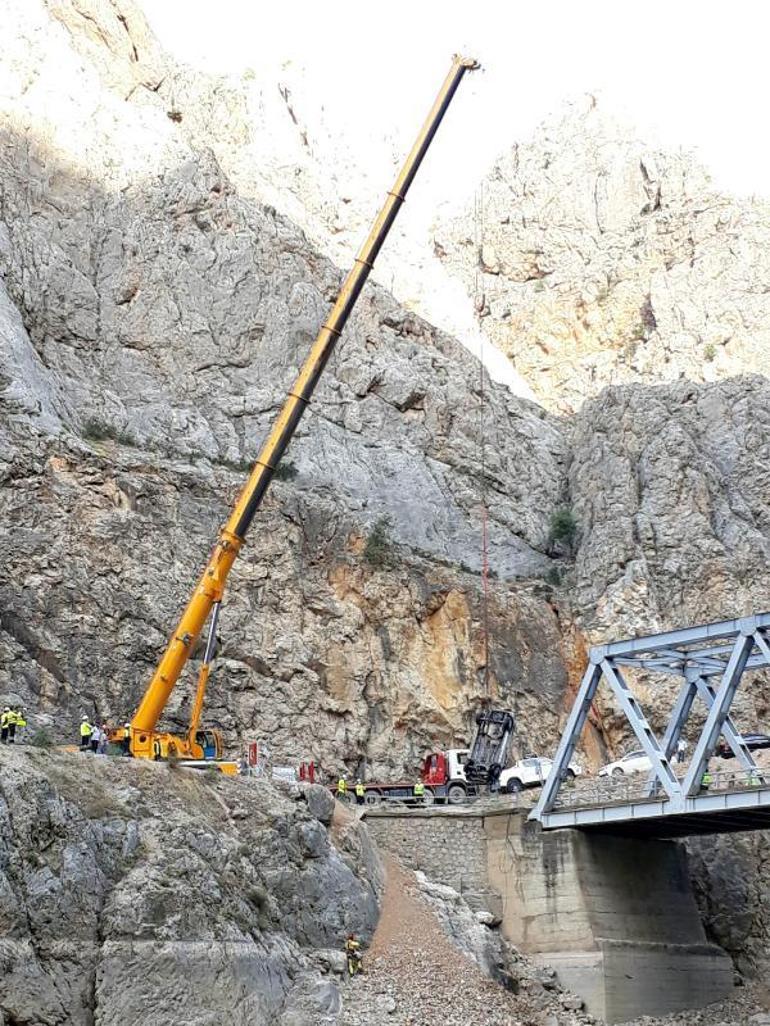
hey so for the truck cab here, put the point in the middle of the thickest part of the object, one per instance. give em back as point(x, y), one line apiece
point(444, 774)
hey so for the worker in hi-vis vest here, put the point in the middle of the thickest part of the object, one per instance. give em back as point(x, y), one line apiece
point(85, 734)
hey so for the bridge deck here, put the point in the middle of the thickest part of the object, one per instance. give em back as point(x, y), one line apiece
point(741, 809)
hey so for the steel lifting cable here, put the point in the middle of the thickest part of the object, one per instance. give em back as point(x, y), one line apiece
point(479, 302)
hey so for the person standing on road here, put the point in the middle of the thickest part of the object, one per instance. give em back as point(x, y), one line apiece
point(103, 738)
point(85, 734)
point(419, 792)
point(4, 722)
point(96, 736)
point(681, 750)
point(342, 789)
point(125, 744)
point(360, 792)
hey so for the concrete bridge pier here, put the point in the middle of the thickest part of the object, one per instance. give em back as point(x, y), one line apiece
point(615, 916)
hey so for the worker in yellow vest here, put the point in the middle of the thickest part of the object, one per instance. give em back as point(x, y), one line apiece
point(419, 793)
point(360, 792)
point(342, 789)
point(16, 722)
point(353, 953)
point(85, 734)
point(5, 718)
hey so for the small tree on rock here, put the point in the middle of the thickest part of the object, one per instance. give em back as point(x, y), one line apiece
point(378, 551)
point(563, 528)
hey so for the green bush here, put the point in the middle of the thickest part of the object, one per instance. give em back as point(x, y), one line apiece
point(563, 526)
point(638, 332)
point(709, 352)
point(285, 471)
point(378, 551)
point(41, 739)
point(554, 576)
point(95, 430)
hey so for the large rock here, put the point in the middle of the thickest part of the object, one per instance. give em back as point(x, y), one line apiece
point(128, 890)
point(670, 488)
point(604, 260)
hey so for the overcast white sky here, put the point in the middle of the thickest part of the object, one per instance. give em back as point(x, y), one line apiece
point(695, 73)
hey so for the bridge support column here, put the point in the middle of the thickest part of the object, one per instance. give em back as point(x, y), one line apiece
point(616, 918)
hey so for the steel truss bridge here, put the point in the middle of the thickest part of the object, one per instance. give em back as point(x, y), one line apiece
point(712, 661)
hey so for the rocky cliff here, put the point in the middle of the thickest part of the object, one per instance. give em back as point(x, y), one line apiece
point(153, 320)
point(153, 311)
point(132, 891)
point(602, 260)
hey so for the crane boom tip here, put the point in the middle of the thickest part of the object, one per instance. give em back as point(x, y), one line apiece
point(467, 62)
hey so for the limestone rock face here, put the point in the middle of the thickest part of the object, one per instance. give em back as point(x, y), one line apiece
point(670, 487)
point(602, 261)
point(160, 319)
point(732, 883)
point(130, 891)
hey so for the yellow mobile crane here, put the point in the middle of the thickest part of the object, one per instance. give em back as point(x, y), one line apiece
point(142, 737)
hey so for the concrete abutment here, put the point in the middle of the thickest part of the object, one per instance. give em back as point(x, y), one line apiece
point(616, 917)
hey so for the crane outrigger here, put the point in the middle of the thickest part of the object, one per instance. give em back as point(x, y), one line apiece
point(142, 736)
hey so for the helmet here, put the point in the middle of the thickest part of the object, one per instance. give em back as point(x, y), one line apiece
point(84, 719)
point(127, 726)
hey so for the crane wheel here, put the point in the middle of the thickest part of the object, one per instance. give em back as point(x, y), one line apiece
point(456, 794)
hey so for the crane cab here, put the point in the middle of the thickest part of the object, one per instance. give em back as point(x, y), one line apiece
point(209, 743)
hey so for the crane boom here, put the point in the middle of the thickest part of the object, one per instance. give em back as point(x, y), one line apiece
point(210, 588)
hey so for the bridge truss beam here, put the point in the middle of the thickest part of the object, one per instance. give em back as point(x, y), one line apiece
point(724, 650)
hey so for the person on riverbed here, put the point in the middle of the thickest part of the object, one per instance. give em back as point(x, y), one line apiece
point(354, 956)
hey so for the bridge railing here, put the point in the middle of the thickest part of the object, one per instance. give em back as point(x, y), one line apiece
point(610, 790)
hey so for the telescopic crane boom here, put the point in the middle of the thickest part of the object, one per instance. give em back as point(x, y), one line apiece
point(144, 738)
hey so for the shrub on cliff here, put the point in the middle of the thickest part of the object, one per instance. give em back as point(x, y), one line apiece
point(378, 551)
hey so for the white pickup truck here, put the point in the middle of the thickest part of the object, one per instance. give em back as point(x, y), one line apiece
point(531, 772)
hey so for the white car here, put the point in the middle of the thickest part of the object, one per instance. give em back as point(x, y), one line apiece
point(531, 772)
point(633, 762)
